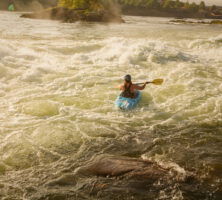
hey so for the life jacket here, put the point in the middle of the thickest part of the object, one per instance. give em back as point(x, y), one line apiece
point(127, 92)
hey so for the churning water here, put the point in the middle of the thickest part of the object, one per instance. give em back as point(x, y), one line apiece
point(58, 86)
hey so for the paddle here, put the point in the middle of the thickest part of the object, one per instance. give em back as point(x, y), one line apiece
point(155, 82)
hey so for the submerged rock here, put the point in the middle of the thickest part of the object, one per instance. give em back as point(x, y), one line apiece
point(130, 178)
point(73, 15)
point(117, 166)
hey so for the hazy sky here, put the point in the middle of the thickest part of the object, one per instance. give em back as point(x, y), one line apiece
point(208, 2)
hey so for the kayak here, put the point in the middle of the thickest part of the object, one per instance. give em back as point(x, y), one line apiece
point(127, 103)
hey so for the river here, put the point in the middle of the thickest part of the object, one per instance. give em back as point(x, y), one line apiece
point(58, 87)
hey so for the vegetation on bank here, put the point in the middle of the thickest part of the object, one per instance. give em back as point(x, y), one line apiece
point(106, 10)
point(81, 10)
point(81, 4)
point(167, 5)
point(163, 5)
point(137, 7)
point(170, 7)
point(90, 5)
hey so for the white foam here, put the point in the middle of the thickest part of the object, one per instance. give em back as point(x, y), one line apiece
point(167, 164)
point(69, 76)
point(5, 50)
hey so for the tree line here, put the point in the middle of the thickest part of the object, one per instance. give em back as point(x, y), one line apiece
point(166, 5)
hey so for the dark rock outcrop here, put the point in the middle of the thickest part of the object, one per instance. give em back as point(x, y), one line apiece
point(112, 177)
point(117, 166)
point(124, 177)
point(73, 15)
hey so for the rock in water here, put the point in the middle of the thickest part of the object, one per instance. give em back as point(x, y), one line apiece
point(73, 15)
point(116, 166)
point(130, 178)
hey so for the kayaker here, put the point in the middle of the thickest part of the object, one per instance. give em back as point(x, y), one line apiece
point(129, 89)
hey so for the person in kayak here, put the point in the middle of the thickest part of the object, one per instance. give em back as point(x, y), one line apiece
point(129, 89)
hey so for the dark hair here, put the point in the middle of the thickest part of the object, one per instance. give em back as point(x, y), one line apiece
point(127, 78)
point(126, 83)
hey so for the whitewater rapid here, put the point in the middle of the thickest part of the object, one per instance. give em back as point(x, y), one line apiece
point(58, 85)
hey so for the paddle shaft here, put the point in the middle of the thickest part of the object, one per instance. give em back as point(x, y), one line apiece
point(147, 82)
point(155, 81)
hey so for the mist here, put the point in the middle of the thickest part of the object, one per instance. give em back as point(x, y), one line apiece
point(32, 5)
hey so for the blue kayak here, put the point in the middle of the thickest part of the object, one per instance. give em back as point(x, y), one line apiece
point(127, 103)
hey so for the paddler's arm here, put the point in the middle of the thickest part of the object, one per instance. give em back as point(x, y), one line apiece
point(120, 87)
point(137, 87)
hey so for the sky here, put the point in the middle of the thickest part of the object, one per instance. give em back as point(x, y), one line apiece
point(207, 2)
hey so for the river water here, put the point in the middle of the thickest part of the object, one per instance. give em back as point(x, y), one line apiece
point(58, 86)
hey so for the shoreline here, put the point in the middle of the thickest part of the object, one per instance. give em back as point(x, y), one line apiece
point(176, 14)
point(171, 19)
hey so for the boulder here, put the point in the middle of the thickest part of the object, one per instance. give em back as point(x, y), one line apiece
point(117, 177)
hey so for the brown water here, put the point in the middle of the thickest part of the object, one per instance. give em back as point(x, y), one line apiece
point(57, 92)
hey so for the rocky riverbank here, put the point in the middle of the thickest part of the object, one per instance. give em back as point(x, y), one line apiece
point(73, 15)
point(177, 13)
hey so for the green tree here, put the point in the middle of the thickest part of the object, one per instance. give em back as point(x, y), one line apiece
point(186, 5)
point(168, 4)
point(85, 4)
point(213, 7)
point(177, 4)
point(202, 6)
point(152, 4)
point(193, 7)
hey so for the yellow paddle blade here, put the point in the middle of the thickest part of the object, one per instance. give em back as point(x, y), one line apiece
point(157, 81)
